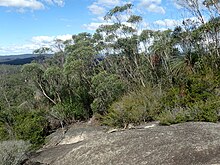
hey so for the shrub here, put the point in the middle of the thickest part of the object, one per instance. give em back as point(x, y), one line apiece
point(13, 152)
point(69, 112)
point(206, 111)
point(135, 107)
point(169, 117)
point(23, 124)
point(196, 100)
point(106, 88)
point(30, 126)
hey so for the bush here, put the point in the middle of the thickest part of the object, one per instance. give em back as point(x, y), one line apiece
point(206, 111)
point(106, 88)
point(13, 152)
point(169, 117)
point(69, 112)
point(28, 125)
point(196, 100)
point(135, 107)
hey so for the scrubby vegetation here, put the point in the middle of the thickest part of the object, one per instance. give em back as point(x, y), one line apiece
point(120, 74)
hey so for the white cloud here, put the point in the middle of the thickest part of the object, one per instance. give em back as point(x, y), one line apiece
point(57, 2)
point(171, 23)
point(99, 6)
point(99, 18)
point(31, 4)
point(108, 3)
point(178, 6)
point(97, 10)
point(168, 22)
point(64, 37)
point(22, 5)
point(49, 40)
point(42, 39)
point(152, 6)
point(149, 2)
point(36, 42)
point(94, 25)
point(18, 49)
point(156, 9)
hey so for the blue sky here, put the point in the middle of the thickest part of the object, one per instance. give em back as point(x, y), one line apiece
point(29, 24)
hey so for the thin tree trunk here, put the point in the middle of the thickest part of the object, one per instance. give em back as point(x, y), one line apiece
point(44, 93)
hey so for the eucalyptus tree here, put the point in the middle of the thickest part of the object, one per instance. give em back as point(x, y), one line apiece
point(205, 10)
point(121, 45)
point(194, 7)
point(79, 68)
point(213, 6)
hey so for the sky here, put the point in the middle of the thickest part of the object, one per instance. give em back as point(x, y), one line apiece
point(27, 25)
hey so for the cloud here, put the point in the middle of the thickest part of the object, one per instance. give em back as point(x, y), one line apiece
point(152, 6)
point(97, 10)
point(22, 5)
point(49, 40)
point(35, 42)
point(108, 3)
point(171, 23)
point(156, 9)
point(99, 6)
point(64, 37)
point(18, 49)
point(42, 39)
point(168, 22)
point(175, 3)
point(94, 25)
point(31, 4)
point(56, 2)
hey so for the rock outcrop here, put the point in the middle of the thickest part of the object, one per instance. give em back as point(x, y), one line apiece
point(181, 144)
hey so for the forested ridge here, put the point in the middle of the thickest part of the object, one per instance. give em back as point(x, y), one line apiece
point(119, 75)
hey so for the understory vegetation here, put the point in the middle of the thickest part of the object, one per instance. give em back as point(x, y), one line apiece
point(121, 74)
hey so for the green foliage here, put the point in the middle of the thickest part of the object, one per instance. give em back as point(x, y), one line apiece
point(106, 88)
point(199, 111)
point(30, 126)
point(188, 91)
point(69, 112)
point(3, 132)
point(27, 125)
point(12, 88)
point(194, 101)
point(206, 111)
point(117, 9)
point(135, 107)
point(169, 117)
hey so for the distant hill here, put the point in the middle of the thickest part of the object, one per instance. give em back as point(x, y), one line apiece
point(21, 59)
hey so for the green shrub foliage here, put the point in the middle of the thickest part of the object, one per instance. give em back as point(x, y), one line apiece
point(194, 101)
point(23, 124)
point(106, 88)
point(136, 107)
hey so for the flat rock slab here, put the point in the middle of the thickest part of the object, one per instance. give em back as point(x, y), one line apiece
point(181, 144)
